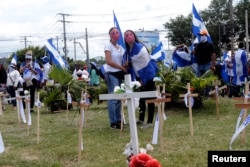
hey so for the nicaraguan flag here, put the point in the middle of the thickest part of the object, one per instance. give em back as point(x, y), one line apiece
point(142, 64)
point(198, 24)
point(244, 124)
point(54, 55)
point(116, 24)
point(39, 75)
point(158, 53)
point(182, 58)
point(14, 59)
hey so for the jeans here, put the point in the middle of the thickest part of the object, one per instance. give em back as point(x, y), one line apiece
point(202, 68)
point(149, 86)
point(12, 93)
point(114, 106)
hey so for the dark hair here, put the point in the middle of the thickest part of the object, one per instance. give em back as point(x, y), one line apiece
point(241, 45)
point(136, 40)
point(111, 29)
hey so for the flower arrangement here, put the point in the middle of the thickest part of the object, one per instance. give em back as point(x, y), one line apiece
point(142, 159)
point(135, 85)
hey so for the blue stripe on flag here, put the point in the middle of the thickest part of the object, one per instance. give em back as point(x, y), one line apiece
point(39, 71)
point(198, 24)
point(158, 53)
point(14, 59)
point(54, 55)
point(181, 58)
point(116, 24)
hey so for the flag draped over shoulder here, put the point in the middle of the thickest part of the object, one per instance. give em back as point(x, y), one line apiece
point(158, 53)
point(54, 55)
point(143, 65)
point(198, 24)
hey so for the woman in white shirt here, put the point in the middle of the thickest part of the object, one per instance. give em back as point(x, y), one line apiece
point(114, 75)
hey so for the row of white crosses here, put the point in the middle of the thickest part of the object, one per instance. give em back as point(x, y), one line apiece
point(20, 112)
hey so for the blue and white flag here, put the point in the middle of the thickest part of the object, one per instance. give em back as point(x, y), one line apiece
point(14, 59)
point(182, 58)
point(39, 75)
point(143, 64)
point(244, 124)
point(116, 24)
point(198, 25)
point(54, 55)
point(158, 53)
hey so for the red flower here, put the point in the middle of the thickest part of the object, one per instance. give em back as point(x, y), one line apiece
point(152, 163)
point(143, 160)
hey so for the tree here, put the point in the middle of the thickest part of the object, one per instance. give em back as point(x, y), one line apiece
point(179, 30)
point(218, 21)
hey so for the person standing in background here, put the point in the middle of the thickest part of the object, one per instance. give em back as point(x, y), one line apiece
point(27, 70)
point(94, 75)
point(3, 78)
point(46, 70)
point(114, 74)
point(14, 78)
point(205, 54)
point(240, 70)
point(145, 69)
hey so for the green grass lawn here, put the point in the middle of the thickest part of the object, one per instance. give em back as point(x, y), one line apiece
point(103, 147)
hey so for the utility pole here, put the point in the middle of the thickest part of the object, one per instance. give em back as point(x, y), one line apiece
point(65, 50)
point(75, 48)
point(25, 41)
point(247, 37)
point(87, 47)
point(231, 25)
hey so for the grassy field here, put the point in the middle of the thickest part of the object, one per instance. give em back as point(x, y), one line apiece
point(103, 147)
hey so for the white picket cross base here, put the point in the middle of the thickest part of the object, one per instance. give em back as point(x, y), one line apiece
point(129, 96)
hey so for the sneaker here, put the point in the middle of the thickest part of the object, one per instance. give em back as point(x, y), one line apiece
point(147, 125)
point(115, 126)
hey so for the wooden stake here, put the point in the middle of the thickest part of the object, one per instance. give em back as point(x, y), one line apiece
point(190, 107)
point(38, 118)
point(216, 94)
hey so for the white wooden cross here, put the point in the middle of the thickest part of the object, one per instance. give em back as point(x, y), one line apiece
point(129, 96)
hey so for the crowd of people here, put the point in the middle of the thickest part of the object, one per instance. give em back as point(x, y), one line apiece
point(28, 77)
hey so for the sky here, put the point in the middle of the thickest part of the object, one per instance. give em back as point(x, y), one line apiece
point(35, 21)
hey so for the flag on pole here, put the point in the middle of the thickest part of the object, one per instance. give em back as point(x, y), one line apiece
point(54, 55)
point(14, 59)
point(116, 24)
point(158, 53)
point(198, 24)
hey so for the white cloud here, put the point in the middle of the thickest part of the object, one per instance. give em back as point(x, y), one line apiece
point(39, 20)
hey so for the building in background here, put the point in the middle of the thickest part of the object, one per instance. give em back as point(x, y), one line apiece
point(149, 38)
